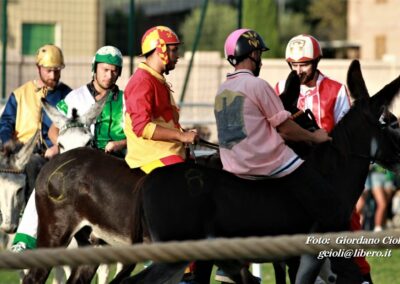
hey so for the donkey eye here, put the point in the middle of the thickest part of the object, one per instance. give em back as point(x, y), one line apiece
point(60, 146)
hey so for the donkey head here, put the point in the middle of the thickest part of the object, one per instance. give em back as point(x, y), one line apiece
point(74, 131)
point(384, 137)
point(13, 159)
point(289, 99)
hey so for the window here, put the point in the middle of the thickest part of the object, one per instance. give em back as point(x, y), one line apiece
point(380, 46)
point(36, 35)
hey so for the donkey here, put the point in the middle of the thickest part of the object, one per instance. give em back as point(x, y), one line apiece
point(13, 159)
point(75, 132)
point(182, 201)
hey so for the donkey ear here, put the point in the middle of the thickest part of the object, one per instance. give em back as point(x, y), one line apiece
point(355, 82)
point(385, 96)
point(57, 117)
point(22, 157)
point(291, 92)
point(90, 116)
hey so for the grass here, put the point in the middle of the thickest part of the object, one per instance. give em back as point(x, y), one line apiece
point(384, 270)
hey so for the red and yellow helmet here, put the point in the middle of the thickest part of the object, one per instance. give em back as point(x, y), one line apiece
point(157, 38)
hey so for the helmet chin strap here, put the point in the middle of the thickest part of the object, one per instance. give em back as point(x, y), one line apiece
point(256, 72)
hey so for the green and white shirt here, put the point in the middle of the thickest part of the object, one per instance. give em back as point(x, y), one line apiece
point(109, 125)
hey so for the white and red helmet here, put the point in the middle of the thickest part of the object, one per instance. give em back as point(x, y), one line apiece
point(303, 48)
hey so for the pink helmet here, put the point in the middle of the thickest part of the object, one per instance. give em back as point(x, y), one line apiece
point(240, 43)
point(303, 48)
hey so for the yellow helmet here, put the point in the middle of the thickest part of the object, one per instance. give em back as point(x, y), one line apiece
point(50, 56)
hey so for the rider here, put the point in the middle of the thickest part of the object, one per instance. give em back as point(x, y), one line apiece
point(109, 135)
point(326, 98)
point(154, 135)
point(253, 126)
point(23, 115)
point(108, 129)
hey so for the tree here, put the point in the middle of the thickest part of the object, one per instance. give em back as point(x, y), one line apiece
point(219, 22)
point(262, 16)
point(292, 24)
point(329, 18)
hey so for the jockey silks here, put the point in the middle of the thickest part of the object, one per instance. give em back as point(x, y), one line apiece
point(109, 124)
point(149, 103)
point(247, 112)
point(23, 115)
point(328, 100)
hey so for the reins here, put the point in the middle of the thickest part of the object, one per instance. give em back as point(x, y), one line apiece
point(203, 143)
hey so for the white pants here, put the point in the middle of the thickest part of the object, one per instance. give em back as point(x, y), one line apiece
point(29, 220)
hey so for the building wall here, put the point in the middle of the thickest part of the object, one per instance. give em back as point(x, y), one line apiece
point(375, 26)
point(79, 24)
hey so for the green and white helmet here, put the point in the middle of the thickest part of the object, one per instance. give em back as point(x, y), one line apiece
point(108, 54)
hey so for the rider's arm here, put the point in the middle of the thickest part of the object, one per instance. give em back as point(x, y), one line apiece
point(291, 131)
point(53, 134)
point(167, 134)
point(7, 120)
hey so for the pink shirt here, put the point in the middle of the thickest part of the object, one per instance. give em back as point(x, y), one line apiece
point(247, 112)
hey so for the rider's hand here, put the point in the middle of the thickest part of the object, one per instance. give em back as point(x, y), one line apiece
point(51, 152)
point(114, 146)
point(189, 137)
point(320, 136)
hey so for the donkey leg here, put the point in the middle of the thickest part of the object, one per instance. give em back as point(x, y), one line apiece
point(166, 273)
point(82, 274)
point(36, 276)
point(238, 272)
point(280, 271)
point(309, 268)
point(346, 270)
point(47, 237)
point(124, 273)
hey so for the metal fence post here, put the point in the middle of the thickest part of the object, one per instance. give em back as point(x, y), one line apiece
point(4, 51)
point(194, 48)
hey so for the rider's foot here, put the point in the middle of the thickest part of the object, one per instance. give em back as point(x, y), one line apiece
point(222, 277)
point(18, 247)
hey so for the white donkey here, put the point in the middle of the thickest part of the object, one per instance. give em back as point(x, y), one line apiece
point(75, 132)
point(13, 159)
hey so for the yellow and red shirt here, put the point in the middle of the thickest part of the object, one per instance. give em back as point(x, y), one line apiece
point(149, 103)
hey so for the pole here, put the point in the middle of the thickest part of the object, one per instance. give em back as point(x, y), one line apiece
point(131, 29)
point(240, 14)
point(194, 48)
point(4, 51)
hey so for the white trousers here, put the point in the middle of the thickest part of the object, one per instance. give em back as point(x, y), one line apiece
point(29, 220)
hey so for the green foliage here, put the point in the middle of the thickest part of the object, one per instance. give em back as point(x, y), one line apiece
point(219, 22)
point(329, 18)
point(292, 24)
point(262, 16)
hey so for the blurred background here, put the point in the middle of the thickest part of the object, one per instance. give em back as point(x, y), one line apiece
point(365, 29)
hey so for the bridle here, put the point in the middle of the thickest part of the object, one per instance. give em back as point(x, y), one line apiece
point(12, 171)
point(73, 124)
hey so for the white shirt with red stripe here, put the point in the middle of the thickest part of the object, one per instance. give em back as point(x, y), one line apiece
point(328, 100)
